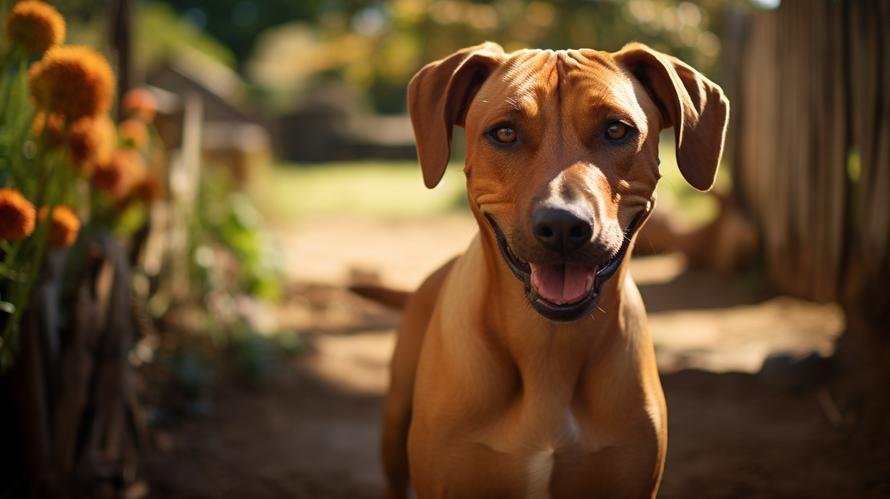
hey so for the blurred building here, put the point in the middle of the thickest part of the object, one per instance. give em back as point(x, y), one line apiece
point(232, 135)
point(331, 124)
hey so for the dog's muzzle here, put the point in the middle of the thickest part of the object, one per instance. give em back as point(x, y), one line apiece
point(587, 282)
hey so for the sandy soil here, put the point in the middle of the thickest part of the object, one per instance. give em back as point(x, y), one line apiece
point(750, 413)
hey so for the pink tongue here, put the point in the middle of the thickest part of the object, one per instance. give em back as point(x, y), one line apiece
point(561, 284)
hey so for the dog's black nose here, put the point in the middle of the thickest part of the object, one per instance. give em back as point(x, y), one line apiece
point(560, 230)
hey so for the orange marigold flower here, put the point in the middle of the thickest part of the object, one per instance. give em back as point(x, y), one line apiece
point(35, 26)
point(64, 228)
point(108, 178)
point(50, 127)
point(139, 103)
point(133, 132)
point(16, 215)
point(72, 81)
point(149, 189)
point(146, 191)
point(116, 177)
point(91, 141)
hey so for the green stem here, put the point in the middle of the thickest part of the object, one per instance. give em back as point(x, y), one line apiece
point(21, 295)
point(10, 250)
point(20, 175)
point(9, 81)
point(22, 292)
point(46, 166)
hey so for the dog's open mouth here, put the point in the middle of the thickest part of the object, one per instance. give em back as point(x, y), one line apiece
point(565, 291)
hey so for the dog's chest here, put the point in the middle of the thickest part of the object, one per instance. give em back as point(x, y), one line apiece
point(542, 442)
point(539, 470)
point(536, 437)
point(548, 472)
point(554, 451)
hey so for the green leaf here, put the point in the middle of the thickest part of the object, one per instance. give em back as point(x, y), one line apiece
point(7, 307)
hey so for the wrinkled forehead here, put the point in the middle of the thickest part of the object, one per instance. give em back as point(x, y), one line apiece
point(530, 79)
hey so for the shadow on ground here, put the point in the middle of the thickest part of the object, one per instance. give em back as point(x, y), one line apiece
point(311, 431)
point(696, 289)
point(731, 436)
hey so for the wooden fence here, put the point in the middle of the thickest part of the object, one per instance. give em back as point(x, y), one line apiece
point(810, 150)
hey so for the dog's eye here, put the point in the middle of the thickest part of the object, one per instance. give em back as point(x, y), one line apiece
point(504, 134)
point(617, 130)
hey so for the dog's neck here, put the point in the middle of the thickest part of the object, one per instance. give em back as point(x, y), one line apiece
point(532, 340)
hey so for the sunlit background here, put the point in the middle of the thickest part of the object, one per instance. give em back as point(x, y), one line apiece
point(290, 174)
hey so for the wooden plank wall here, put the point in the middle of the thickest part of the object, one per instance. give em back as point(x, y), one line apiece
point(811, 135)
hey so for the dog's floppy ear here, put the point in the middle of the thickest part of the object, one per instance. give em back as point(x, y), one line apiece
point(438, 98)
point(692, 104)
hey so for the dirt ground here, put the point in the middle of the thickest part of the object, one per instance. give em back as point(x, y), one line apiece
point(750, 414)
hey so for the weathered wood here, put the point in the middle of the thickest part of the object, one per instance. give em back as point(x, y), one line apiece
point(80, 421)
point(813, 99)
point(813, 167)
point(106, 431)
point(33, 409)
point(77, 366)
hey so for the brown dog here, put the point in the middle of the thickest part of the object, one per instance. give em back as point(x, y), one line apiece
point(524, 368)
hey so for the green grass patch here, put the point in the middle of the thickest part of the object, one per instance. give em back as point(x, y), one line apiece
point(395, 190)
point(694, 206)
point(381, 189)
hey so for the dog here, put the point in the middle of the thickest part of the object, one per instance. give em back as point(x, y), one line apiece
point(524, 367)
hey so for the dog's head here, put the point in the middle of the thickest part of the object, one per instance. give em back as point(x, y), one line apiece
point(562, 153)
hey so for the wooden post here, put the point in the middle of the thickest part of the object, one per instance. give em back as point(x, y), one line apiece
point(120, 29)
point(813, 164)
